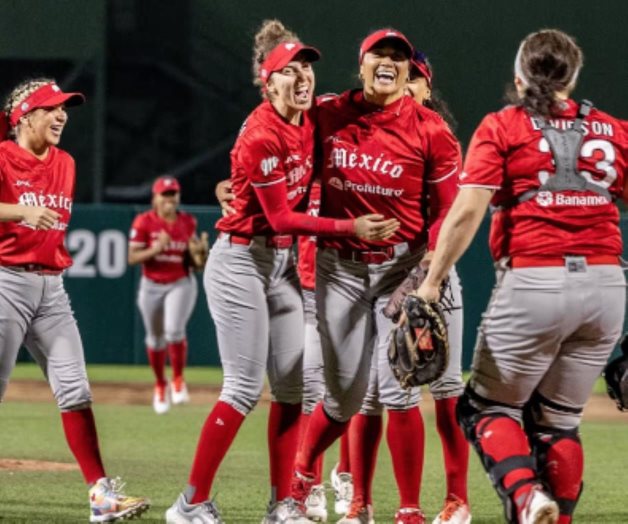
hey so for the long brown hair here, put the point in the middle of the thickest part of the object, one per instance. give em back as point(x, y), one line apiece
point(548, 61)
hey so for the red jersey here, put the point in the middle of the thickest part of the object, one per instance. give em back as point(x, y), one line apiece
point(386, 160)
point(169, 265)
point(307, 244)
point(26, 180)
point(268, 151)
point(509, 154)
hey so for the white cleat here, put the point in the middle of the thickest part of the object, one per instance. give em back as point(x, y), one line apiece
point(179, 394)
point(287, 511)
point(455, 511)
point(539, 508)
point(343, 490)
point(161, 399)
point(109, 503)
point(316, 504)
point(181, 512)
point(358, 515)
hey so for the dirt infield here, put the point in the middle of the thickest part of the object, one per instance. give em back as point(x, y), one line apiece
point(35, 465)
point(599, 407)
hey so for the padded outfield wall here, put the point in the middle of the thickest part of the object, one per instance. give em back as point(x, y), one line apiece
point(103, 288)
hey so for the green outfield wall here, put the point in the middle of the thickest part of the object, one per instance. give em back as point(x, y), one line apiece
point(103, 288)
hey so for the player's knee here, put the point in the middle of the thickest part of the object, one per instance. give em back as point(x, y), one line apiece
point(341, 410)
point(543, 412)
point(371, 406)
point(174, 336)
point(288, 394)
point(155, 342)
point(74, 398)
point(242, 397)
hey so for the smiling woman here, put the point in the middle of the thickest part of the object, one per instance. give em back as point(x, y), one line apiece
point(36, 190)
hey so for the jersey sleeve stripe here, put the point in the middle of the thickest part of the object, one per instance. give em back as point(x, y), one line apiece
point(451, 173)
point(272, 183)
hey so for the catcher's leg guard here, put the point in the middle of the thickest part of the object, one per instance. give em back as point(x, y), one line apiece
point(559, 461)
point(503, 449)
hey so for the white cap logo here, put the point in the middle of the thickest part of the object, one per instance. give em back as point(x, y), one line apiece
point(55, 88)
point(24, 106)
point(544, 198)
point(290, 47)
point(168, 181)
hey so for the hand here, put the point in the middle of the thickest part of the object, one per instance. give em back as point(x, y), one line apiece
point(40, 217)
point(428, 292)
point(161, 242)
point(375, 227)
point(225, 195)
point(199, 246)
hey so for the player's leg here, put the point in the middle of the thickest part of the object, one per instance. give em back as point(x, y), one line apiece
point(346, 329)
point(150, 301)
point(285, 372)
point(17, 297)
point(518, 340)
point(446, 391)
point(55, 343)
point(554, 413)
point(178, 307)
point(405, 432)
point(235, 286)
point(313, 391)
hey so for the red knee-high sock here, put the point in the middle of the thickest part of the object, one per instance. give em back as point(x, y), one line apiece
point(157, 360)
point(218, 432)
point(321, 433)
point(80, 433)
point(364, 436)
point(318, 464)
point(178, 352)
point(344, 460)
point(455, 448)
point(283, 440)
point(501, 438)
point(406, 441)
point(563, 471)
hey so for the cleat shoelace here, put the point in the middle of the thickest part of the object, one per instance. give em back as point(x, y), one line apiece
point(450, 508)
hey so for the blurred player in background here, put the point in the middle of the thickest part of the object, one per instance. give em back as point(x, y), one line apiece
point(164, 241)
point(251, 282)
point(381, 152)
point(551, 167)
point(36, 192)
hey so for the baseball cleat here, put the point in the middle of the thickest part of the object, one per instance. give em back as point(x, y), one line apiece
point(161, 399)
point(538, 508)
point(359, 513)
point(343, 490)
point(181, 512)
point(409, 516)
point(108, 502)
point(287, 511)
point(316, 504)
point(179, 392)
point(455, 511)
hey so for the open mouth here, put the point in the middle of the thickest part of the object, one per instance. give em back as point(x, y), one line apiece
point(385, 77)
point(302, 94)
point(56, 129)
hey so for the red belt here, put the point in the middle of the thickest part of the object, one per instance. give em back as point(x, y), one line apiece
point(276, 241)
point(592, 260)
point(35, 268)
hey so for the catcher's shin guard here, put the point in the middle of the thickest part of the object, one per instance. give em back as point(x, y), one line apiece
point(474, 425)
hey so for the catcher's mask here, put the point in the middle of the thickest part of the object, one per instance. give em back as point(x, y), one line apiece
point(616, 375)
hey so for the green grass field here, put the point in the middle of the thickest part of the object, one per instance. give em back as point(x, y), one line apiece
point(153, 454)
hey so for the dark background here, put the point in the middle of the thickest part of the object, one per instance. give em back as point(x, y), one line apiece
point(169, 82)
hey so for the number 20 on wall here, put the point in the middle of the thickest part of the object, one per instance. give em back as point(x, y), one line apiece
point(97, 254)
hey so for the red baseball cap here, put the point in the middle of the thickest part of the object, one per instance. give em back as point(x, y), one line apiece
point(420, 63)
point(375, 38)
point(166, 183)
point(48, 95)
point(283, 54)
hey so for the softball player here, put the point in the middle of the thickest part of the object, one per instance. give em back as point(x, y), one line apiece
point(250, 278)
point(551, 167)
point(366, 427)
point(162, 240)
point(380, 149)
point(36, 192)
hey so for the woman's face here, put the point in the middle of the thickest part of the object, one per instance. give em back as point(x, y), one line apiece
point(384, 73)
point(166, 203)
point(418, 89)
point(291, 89)
point(43, 126)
